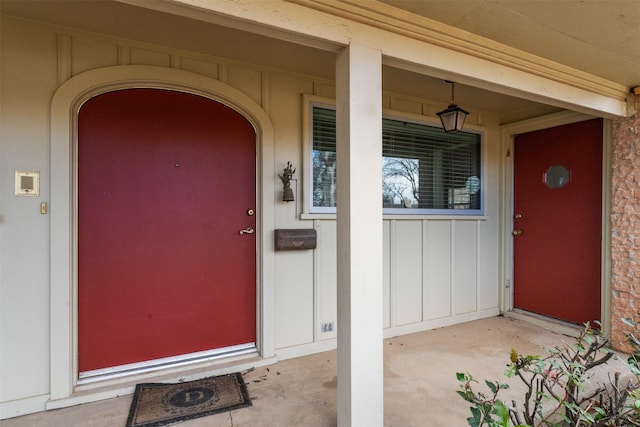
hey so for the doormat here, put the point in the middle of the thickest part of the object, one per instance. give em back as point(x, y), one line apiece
point(158, 404)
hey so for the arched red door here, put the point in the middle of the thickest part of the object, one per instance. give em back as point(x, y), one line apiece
point(166, 181)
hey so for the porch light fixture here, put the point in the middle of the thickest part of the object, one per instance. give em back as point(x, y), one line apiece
point(452, 117)
point(287, 175)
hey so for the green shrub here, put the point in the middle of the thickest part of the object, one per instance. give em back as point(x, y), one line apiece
point(559, 391)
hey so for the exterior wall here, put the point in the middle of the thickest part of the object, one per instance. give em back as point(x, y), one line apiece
point(437, 271)
point(29, 78)
point(625, 225)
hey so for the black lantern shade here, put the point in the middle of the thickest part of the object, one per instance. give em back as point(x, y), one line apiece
point(453, 117)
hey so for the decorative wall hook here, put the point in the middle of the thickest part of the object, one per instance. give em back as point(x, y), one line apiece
point(287, 175)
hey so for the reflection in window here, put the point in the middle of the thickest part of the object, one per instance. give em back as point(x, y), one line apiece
point(424, 169)
point(323, 160)
point(400, 182)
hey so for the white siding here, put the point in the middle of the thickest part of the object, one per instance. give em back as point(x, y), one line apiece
point(294, 299)
point(436, 271)
point(406, 267)
point(465, 266)
point(24, 251)
point(89, 54)
point(386, 284)
point(438, 265)
point(149, 57)
point(325, 276)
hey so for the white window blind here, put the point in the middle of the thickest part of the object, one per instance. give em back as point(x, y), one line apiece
point(424, 169)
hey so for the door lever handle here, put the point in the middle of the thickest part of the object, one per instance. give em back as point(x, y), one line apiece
point(248, 230)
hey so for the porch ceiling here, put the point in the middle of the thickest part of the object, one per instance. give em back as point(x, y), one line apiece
point(600, 38)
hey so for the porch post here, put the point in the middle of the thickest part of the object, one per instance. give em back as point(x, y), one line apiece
point(359, 226)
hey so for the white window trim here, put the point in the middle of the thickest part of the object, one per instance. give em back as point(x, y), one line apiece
point(311, 212)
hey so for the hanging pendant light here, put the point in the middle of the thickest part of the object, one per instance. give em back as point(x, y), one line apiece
point(452, 117)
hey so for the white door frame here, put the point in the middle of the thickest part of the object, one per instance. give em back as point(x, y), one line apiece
point(64, 110)
point(507, 135)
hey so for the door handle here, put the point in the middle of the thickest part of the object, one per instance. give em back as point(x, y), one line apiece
point(248, 230)
point(516, 232)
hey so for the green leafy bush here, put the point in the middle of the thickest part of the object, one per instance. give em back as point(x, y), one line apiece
point(560, 390)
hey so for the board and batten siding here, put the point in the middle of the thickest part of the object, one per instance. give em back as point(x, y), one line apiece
point(437, 271)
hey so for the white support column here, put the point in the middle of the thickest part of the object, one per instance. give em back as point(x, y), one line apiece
point(359, 222)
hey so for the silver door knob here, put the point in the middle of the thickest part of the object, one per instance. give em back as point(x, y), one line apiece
point(248, 230)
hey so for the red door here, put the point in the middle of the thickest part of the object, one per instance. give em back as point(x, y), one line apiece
point(558, 211)
point(166, 181)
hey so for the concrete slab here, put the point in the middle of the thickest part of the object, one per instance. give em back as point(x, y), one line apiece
point(420, 383)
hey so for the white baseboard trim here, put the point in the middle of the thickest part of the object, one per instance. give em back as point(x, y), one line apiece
point(17, 408)
point(185, 375)
point(440, 323)
point(306, 349)
point(331, 344)
point(549, 323)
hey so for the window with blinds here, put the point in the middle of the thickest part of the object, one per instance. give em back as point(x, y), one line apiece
point(424, 169)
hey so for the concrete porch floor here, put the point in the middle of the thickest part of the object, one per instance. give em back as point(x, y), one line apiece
point(419, 372)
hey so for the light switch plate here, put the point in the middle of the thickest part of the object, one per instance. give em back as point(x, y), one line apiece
point(27, 183)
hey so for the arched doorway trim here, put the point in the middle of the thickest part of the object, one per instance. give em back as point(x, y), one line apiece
point(63, 277)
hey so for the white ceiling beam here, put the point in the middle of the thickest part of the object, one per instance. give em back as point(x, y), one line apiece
point(413, 43)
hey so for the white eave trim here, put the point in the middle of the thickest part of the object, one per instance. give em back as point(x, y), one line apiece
point(413, 43)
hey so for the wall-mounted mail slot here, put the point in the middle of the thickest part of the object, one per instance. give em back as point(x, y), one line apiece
point(291, 240)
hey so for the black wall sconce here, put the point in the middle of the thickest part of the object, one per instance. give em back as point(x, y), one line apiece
point(287, 175)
